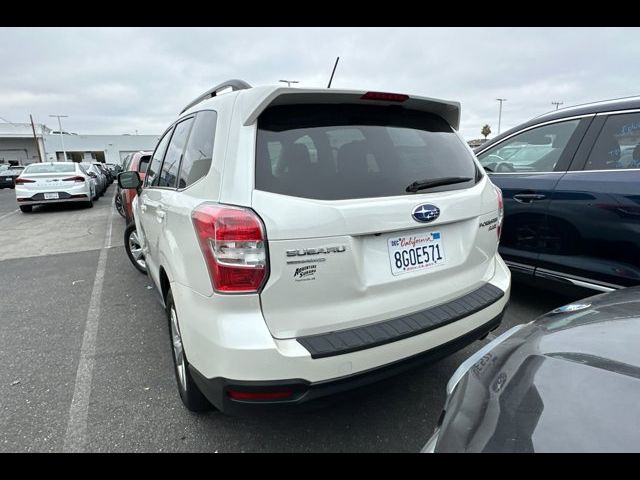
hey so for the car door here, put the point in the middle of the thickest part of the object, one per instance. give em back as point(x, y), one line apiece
point(160, 197)
point(526, 166)
point(593, 233)
point(146, 222)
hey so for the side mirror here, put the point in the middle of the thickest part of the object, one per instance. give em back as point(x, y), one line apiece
point(92, 175)
point(129, 180)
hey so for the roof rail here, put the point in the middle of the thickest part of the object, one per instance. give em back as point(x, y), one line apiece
point(235, 84)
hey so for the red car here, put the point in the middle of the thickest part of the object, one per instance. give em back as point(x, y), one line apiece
point(138, 161)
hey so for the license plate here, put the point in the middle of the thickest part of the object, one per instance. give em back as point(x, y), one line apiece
point(409, 253)
point(51, 196)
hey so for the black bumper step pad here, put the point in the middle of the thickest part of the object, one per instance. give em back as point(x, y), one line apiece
point(368, 336)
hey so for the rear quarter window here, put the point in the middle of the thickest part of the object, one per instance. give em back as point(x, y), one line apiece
point(337, 152)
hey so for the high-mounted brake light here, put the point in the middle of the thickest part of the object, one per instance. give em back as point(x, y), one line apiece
point(500, 211)
point(232, 240)
point(21, 181)
point(388, 97)
point(76, 179)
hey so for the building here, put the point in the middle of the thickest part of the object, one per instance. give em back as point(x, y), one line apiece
point(476, 142)
point(17, 145)
point(102, 148)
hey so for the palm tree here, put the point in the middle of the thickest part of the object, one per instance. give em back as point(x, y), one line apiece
point(486, 131)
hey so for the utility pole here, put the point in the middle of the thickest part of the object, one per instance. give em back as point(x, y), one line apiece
point(61, 135)
point(35, 138)
point(289, 82)
point(500, 114)
point(557, 104)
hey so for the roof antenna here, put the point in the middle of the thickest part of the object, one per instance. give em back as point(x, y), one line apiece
point(334, 71)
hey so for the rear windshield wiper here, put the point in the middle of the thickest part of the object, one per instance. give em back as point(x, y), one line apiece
point(437, 182)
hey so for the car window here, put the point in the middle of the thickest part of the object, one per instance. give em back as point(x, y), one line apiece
point(143, 163)
point(197, 156)
point(156, 159)
point(51, 168)
point(618, 145)
point(126, 161)
point(336, 152)
point(536, 150)
point(169, 172)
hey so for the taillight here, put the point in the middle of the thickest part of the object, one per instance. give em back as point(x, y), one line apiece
point(232, 240)
point(500, 211)
point(20, 181)
point(388, 97)
point(76, 179)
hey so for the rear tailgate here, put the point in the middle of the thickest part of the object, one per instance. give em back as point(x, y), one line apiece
point(344, 247)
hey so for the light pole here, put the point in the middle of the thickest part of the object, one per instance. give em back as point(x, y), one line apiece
point(500, 114)
point(289, 82)
point(64, 152)
point(557, 104)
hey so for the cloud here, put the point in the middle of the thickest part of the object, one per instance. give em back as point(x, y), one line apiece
point(117, 80)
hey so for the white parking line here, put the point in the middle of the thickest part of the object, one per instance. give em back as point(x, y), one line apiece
point(9, 214)
point(75, 437)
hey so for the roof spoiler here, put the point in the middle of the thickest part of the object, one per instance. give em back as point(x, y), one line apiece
point(448, 110)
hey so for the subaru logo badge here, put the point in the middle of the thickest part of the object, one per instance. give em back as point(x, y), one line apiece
point(425, 213)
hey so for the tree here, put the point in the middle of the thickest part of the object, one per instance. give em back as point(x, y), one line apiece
point(486, 131)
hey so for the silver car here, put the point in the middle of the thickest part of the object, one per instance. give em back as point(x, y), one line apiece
point(54, 182)
point(98, 175)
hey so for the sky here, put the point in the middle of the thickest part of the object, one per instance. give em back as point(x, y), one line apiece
point(123, 80)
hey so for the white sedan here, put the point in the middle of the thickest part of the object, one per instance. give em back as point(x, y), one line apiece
point(54, 182)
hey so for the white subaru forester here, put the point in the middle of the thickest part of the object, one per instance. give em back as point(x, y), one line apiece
point(308, 241)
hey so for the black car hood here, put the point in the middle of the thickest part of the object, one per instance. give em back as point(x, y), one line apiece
point(568, 382)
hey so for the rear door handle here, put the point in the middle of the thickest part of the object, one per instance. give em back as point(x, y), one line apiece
point(528, 197)
point(160, 214)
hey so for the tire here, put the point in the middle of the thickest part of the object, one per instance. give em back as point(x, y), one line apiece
point(190, 394)
point(135, 254)
point(119, 205)
point(26, 208)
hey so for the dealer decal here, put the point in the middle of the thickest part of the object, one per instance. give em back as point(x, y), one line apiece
point(305, 273)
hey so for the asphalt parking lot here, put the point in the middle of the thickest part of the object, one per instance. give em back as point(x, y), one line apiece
point(66, 284)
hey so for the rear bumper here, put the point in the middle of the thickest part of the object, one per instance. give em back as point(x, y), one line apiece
point(72, 193)
point(229, 346)
point(74, 198)
point(305, 393)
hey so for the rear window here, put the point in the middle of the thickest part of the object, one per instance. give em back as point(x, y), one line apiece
point(51, 168)
point(337, 152)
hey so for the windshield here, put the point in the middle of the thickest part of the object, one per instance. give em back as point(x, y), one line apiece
point(336, 152)
point(51, 168)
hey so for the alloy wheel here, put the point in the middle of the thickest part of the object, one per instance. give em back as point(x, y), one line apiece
point(178, 350)
point(136, 249)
